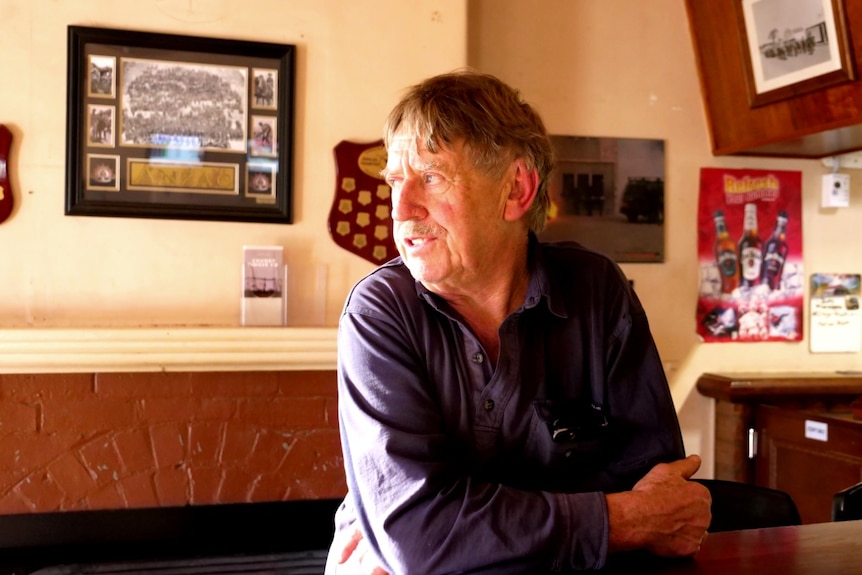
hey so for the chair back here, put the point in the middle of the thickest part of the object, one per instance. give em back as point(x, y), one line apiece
point(847, 504)
point(737, 505)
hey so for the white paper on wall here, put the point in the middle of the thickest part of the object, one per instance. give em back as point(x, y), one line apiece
point(836, 322)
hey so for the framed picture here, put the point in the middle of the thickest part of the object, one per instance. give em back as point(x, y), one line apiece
point(608, 195)
point(178, 127)
point(265, 88)
point(791, 47)
point(102, 74)
point(102, 172)
point(100, 125)
point(264, 139)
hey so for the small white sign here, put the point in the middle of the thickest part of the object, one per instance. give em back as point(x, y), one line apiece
point(816, 430)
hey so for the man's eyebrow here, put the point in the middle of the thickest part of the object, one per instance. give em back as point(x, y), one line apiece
point(432, 164)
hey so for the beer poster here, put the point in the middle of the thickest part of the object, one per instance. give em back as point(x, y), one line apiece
point(750, 255)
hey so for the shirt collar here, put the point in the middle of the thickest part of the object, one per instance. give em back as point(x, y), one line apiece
point(540, 288)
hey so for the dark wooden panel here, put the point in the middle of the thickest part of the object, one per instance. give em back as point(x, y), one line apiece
point(732, 421)
point(810, 470)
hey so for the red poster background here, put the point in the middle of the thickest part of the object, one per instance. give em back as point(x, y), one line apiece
point(756, 312)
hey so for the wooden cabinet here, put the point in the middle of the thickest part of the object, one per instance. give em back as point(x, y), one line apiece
point(809, 454)
point(793, 432)
point(822, 123)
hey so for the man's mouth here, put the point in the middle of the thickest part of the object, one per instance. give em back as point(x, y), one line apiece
point(415, 242)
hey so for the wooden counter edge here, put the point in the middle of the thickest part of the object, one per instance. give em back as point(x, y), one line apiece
point(752, 387)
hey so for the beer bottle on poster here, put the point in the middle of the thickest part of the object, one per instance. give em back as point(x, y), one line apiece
point(775, 253)
point(725, 255)
point(750, 249)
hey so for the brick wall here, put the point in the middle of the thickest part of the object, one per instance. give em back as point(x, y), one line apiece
point(126, 440)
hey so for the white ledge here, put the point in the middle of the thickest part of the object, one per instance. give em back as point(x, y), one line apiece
point(78, 350)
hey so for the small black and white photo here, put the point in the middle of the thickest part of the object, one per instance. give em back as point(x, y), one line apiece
point(102, 72)
point(264, 88)
point(101, 124)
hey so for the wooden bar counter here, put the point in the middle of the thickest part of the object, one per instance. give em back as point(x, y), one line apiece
point(817, 549)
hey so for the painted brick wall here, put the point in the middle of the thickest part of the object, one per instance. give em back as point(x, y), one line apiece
point(127, 440)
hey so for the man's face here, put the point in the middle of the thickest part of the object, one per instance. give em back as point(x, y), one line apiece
point(447, 215)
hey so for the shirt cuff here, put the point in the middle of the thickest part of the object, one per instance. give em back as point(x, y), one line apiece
point(585, 531)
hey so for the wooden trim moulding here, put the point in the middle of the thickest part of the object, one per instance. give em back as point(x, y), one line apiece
point(61, 350)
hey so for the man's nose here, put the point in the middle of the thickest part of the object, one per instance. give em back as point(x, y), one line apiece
point(407, 200)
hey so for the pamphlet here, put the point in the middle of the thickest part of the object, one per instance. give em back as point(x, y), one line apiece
point(263, 296)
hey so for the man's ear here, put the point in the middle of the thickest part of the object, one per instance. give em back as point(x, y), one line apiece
point(525, 186)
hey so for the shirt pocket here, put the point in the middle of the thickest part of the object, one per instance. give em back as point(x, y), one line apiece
point(567, 432)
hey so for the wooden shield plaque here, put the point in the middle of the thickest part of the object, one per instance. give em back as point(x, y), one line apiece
point(5, 188)
point(360, 219)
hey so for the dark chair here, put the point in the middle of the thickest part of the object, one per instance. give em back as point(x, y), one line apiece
point(737, 505)
point(847, 504)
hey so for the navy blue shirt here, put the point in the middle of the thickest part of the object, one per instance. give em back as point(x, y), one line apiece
point(454, 466)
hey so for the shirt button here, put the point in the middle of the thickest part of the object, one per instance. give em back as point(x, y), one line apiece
point(478, 358)
point(489, 404)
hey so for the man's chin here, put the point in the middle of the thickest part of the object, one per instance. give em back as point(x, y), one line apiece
point(420, 271)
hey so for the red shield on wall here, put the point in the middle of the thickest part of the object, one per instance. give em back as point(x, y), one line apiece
point(360, 218)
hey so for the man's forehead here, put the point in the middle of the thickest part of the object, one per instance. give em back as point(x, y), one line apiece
point(414, 148)
point(403, 142)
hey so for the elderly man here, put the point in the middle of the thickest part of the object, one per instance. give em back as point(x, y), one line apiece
point(502, 404)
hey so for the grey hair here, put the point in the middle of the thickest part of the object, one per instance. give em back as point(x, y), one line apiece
point(492, 120)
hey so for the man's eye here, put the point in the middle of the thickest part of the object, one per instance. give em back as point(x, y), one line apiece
point(431, 179)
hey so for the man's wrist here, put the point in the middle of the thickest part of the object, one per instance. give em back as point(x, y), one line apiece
point(624, 522)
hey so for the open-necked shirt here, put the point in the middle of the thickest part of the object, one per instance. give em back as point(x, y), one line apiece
point(455, 465)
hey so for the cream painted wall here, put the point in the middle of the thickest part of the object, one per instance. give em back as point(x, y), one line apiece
point(353, 61)
point(604, 68)
point(626, 68)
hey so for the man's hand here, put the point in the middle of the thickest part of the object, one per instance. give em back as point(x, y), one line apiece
point(664, 513)
point(356, 557)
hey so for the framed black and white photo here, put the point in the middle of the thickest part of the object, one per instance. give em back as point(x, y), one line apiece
point(792, 47)
point(265, 83)
point(100, 125)
point(168, 126)
point(102, 75)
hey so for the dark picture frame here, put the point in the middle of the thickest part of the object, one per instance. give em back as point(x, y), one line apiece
point(172, 117)
point(793, 47)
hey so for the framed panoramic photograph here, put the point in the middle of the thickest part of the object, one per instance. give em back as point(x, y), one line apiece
point(792, 47)
point(178, 127)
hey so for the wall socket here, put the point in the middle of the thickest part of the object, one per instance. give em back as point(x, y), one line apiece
point(836, 191)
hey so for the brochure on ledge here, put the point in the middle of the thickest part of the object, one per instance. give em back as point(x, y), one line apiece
point(264, 294)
